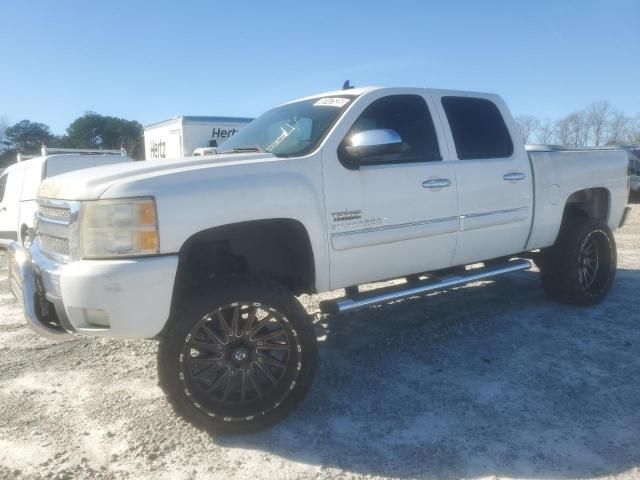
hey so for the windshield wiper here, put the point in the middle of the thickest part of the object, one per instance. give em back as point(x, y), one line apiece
point(245, 149)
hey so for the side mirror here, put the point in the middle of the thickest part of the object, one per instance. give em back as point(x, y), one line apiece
point(370, 145)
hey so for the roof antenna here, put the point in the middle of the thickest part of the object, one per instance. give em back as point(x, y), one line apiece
point(347, 86)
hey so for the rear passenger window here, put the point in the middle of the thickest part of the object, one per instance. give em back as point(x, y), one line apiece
point(478, 128)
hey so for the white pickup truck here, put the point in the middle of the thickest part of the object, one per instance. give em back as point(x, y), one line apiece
point(332, 191)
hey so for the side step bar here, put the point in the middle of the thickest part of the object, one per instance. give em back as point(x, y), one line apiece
point(412, 289)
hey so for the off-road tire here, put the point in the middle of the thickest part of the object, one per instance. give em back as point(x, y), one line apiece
point(176, 360)
point(563, 269)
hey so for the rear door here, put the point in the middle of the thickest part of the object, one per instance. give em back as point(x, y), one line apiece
point(396, 215)
point(495, 188)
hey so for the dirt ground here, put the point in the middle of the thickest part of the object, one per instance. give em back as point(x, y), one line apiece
point(489, 380)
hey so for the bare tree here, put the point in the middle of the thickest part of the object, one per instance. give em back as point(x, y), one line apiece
point(527, 125)
point(562, 131)
point(545, 133)
point(618, 128)
point(597, 116)
point(598, 124)
point(633, 130)
point(578, 129)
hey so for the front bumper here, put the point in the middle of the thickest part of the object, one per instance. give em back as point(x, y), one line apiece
point(26, 286)
point(112, 298)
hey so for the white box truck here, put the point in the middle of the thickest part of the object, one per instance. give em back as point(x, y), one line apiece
point(179, 137)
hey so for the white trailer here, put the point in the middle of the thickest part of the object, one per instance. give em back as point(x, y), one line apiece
point(179, 137)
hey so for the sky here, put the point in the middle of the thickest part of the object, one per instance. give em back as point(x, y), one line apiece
point(149, 61)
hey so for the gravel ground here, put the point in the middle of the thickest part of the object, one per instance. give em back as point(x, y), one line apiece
point(488, 380)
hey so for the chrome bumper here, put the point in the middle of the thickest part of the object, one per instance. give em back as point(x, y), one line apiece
point(43, 312)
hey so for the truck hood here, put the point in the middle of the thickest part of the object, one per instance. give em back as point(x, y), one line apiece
point(92, 183)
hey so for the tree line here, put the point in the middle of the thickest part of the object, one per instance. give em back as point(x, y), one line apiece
point(596, 125)
point(90, 131)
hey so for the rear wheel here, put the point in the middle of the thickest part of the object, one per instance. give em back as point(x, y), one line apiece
point(241, 359)
point(580, 268)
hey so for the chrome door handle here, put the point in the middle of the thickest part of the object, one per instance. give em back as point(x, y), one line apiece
point(514, 176)
point(436, 183)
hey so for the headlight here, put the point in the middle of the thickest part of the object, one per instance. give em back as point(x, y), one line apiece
point(119, 228)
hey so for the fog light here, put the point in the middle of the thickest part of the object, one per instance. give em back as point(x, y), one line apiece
point(97, 317)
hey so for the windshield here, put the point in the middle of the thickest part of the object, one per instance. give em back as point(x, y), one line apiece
point(293, 129)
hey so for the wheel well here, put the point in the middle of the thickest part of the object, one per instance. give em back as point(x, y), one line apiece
point(591, 203)
point(277, 248)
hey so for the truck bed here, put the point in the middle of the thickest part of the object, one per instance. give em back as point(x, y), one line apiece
point(559, 173)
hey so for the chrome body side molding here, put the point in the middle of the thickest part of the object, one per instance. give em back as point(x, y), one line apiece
point(393, 233)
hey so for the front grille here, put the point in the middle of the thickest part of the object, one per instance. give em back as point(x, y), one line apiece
point(55, 244)
point(61, 214)
point(57, 223)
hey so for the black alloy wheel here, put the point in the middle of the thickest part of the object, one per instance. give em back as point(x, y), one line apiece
point(581, 266)
point(239, 357)
point(240, 361)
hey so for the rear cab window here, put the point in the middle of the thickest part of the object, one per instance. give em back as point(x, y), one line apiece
point(478, 129)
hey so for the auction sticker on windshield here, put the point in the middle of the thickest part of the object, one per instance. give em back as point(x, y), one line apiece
point(332, 102)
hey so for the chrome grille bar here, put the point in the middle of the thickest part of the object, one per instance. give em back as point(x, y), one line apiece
point(57, 227)
point(61, 214)
point(55, 244)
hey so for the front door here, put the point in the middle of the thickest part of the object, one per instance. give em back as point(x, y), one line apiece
point(393, 214)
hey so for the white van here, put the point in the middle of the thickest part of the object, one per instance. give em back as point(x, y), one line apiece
point(19, 184)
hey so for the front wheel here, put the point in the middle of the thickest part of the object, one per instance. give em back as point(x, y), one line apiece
point(581, 267)
point(240, 359)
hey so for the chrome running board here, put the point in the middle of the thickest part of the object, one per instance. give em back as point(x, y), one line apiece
point(412, 289)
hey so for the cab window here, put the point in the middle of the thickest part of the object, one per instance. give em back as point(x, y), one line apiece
point(478, 128)
point(293, 129)
point(409, 117)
